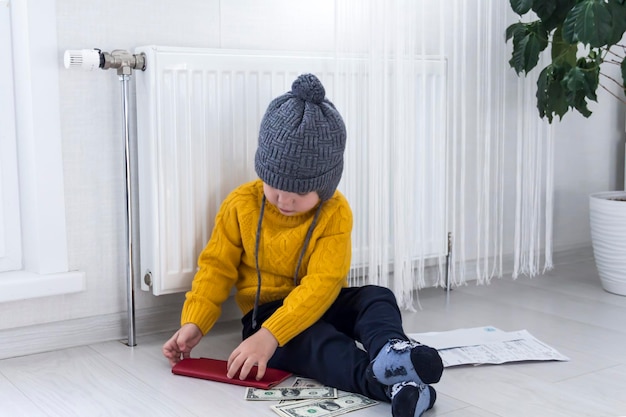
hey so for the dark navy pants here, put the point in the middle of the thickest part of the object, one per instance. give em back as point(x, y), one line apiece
point(327, 352)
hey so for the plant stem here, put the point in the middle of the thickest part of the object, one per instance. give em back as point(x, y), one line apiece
point(608, 51)
point(613, 94)
point(612, 79)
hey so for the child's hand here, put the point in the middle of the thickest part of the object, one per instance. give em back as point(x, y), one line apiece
point(185, 339)
point(255, 350)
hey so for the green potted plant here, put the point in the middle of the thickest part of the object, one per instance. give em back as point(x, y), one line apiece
point(584, 37)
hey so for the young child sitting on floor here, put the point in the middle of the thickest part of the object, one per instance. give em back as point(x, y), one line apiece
point(284, 242)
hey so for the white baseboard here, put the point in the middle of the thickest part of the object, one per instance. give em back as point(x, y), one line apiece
point(560, 256)
point(47, 337)
point(78, 332)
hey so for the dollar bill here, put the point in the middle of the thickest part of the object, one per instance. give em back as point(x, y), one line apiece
point(290, 393)
point(345, 403)
point(301, 382)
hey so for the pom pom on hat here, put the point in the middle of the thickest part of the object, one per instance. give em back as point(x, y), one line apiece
point(308, 88)
point(302, 139)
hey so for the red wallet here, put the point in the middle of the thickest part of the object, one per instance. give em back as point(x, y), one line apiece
point(215, 370)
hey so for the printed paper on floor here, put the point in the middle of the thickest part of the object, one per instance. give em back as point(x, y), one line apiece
point(487, 345)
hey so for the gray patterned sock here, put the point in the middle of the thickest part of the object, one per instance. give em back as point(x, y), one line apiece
point(403, 360)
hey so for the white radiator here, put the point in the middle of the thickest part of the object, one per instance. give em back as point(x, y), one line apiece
point(198, 113)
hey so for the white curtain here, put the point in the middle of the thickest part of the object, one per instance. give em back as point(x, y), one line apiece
point(450, 165)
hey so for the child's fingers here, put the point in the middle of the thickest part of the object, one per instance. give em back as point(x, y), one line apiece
point(261, 371)
point(233, 365)
point(246, 367)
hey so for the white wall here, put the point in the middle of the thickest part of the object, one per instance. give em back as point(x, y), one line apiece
point(588, 158)
point(93, 151)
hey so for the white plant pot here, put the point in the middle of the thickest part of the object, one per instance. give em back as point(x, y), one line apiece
point(608, 237)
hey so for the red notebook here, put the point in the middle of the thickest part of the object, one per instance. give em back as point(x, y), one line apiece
point(215, 370)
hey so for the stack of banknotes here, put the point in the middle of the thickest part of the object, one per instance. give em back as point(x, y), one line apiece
point(307, 397)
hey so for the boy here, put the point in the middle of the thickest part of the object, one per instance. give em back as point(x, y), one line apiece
point(284, 242)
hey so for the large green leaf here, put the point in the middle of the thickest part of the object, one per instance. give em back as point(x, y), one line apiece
point(574, 80)
point(591, 70)
point(590, 23)
point(617, 8)
point(544, 8)
point(552, 12)
point(577, 89)
point(551, 100)
point(521, 7)
point(529, 39)
point(562, 86)
point(576, 99)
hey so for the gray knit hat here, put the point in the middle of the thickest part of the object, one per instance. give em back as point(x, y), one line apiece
point(301, 141)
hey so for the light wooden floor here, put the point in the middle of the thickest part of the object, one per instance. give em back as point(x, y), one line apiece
point(566, 309)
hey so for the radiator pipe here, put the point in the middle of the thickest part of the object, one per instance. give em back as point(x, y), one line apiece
point(124, 62)
point(448, 266)
point(130, 274)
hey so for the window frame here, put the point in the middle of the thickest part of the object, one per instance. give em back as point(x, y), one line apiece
point(10, 231)
point(35, 57)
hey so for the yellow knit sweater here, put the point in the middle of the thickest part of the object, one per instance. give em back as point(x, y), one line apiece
point(228, 259)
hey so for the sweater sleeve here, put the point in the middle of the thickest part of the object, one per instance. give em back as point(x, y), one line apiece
point(326, 273)
point(217, 271)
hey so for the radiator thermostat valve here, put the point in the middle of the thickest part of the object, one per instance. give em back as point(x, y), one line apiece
point(88, 59)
